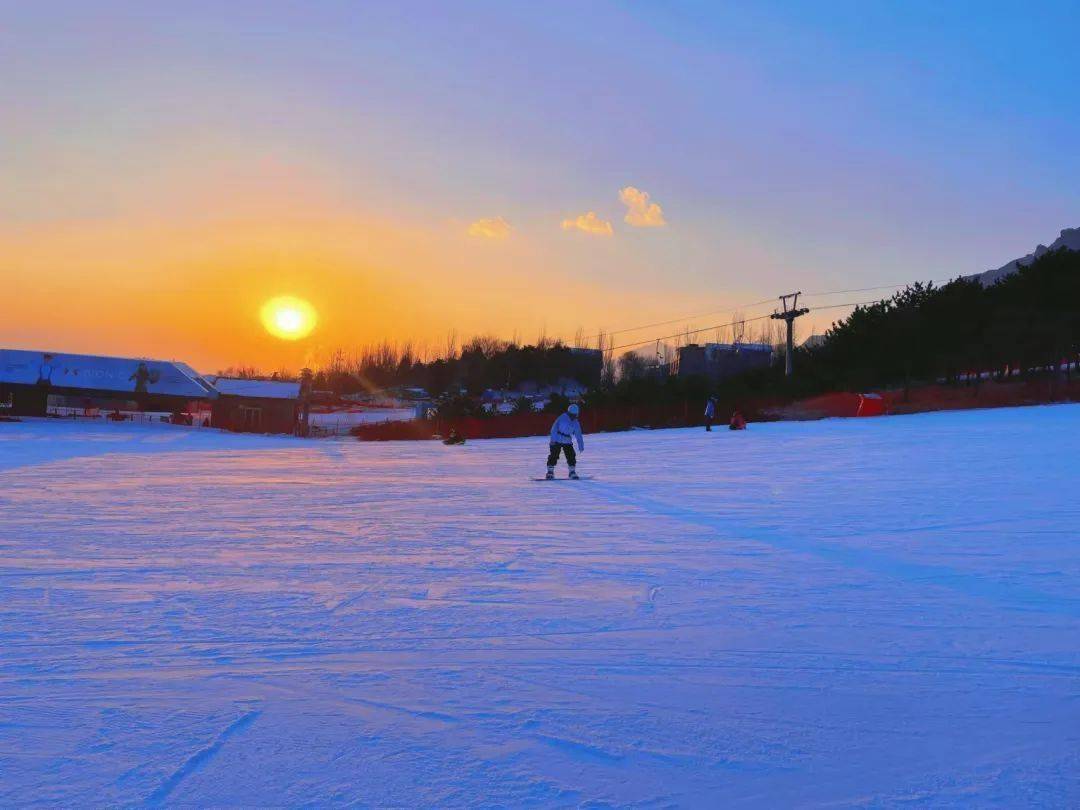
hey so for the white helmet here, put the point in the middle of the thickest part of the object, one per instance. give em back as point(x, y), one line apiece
point(573, 410)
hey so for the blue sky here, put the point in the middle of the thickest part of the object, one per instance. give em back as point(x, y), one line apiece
point(790, 145)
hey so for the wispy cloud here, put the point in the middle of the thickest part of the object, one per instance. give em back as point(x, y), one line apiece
point(589, 223)
point(640, 213)
point(491, 228)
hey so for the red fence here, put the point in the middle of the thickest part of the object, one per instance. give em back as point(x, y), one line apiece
point(536, 424)
point(986, 394)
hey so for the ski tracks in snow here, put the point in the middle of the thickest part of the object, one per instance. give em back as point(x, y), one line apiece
point(814, 541)
point(200, 758)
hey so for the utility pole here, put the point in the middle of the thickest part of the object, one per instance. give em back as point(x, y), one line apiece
point(788, 316)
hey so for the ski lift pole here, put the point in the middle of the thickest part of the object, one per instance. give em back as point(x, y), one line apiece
point(788, 315)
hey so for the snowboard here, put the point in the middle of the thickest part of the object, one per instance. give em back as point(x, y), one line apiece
point(564, 478)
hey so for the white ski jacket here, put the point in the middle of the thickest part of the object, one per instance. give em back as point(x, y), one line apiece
point(566, 430)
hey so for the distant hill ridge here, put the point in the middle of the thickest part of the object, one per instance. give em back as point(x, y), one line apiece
point(1070, 238)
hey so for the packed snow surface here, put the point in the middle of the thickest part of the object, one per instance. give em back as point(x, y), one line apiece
point(864, 612)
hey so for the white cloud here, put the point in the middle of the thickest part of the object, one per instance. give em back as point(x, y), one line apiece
point(640, 213)
point(589, 223)
point(491, 228)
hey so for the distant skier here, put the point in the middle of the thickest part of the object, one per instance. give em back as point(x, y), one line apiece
point(737, 421)
point(566, 429)
point(710, 413)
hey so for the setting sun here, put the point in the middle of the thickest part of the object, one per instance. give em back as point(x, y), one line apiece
point(289, 318)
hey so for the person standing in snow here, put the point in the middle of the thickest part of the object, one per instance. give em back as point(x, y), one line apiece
point(566, 429)
point(710, 413)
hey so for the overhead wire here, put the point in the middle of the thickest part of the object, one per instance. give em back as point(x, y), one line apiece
point(869, 289)
point(740, 321)
point(737, 308)
point(676, 320)
point(689, 332)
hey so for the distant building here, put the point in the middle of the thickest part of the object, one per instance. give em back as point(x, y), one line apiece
point(658, 370)
point(36, 383)
point(564, 386)
point(718, 361)
point(31, 381)
point(256, 406)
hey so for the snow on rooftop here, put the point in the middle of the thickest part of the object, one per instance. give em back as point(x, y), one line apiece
point(86, 372)
point(258, 389)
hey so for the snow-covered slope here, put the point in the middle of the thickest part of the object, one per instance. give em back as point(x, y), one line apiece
point(864, 612)
point(1070, 238)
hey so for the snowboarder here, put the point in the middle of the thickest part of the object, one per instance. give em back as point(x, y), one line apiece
point(737, 421)
point(710, 413)
point(454, 437)
point(566, 429)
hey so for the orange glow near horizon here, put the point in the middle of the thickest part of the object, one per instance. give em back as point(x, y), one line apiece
point(193, 288)
point(288, 317)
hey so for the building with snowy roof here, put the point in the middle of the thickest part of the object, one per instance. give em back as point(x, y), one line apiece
point(31, 380)
point(255, 406)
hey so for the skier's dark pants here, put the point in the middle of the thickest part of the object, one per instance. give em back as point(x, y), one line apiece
point(708, 423)
point(553, 456)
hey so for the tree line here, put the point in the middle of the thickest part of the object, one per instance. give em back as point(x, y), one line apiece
point(1026, 323)
point(482, 363)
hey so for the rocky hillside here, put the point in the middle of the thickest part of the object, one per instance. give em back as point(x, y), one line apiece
point(1070, 238)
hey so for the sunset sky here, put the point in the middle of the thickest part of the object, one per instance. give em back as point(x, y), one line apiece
point(508, 167)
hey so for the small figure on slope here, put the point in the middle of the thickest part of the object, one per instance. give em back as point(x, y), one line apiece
point(454, 437)
point(566, 429)
point(710, 413)
point(737, 421)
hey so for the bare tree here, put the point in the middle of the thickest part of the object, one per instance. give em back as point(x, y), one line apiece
point(240, 372)
point(451, 351)
point(632, 366)
point(487, 345)
point(606, 344)
point(738, 327)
